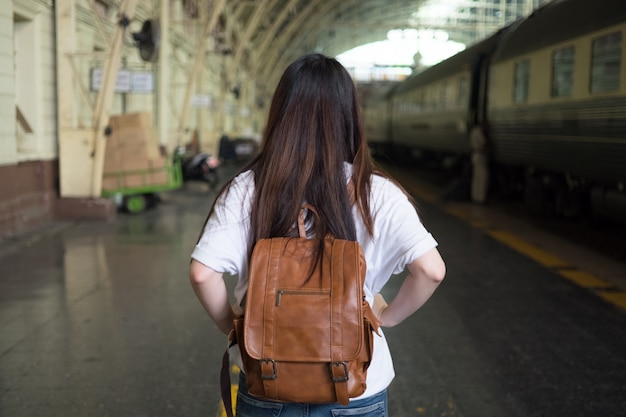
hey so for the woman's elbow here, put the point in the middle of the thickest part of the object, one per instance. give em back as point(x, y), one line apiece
point(198, 273)
point(431, 266)
point(438, 272)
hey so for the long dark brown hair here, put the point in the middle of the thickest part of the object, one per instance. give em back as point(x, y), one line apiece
point(314, 126)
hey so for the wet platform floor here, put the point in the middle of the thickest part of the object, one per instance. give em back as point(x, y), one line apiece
point(98, 319)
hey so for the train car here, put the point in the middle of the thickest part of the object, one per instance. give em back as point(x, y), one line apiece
point(557, 104)
point(433, 110)
point(374, 99)
point(549, 91)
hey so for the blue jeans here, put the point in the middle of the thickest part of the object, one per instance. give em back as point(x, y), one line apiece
point(248, 406)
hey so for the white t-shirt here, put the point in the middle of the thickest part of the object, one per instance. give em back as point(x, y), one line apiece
point(399, 238)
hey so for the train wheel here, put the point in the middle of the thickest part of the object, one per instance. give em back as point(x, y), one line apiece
point(572, 203)
point(508, 182)
point(535, 195)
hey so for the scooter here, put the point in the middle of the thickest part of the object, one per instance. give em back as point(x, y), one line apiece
point(199, 167)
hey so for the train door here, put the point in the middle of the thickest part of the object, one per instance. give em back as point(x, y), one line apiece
point(477, 110)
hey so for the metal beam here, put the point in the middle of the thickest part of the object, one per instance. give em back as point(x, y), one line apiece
point(268, 36)
point(163, 82)
point(105, 95)
point(198, 64)
point(251, 26)
point(287, 35)
point(311, 25)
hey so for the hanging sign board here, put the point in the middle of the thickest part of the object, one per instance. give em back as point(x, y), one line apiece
point(122, 82)
point(126, 82)
point(142, 82)
point(201, 100)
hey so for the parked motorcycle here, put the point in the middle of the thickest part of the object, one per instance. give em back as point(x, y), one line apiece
point(199, 167)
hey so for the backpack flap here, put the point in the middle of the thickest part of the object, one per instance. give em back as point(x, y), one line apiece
point(299, 317)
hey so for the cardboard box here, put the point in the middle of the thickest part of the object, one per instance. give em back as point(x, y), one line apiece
point(135, 180)
point(133, 146)
point(123, 136)
point(158, 178)
point(138, 119)
point(154, 148)
point(111, 183)
point(113, 142)
point(157, 162)
point(112, 163)
point(136, 158)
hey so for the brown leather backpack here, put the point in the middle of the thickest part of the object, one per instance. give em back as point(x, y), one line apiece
point(306, 334)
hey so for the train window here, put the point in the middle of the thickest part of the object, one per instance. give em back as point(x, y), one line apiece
point(449, 95)
point(442, 98)
point(463, 95)
point(430, 97)
point(521, 81)
point(606, 53)
point(563, 72)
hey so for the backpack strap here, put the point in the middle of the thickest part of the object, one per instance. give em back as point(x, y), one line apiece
point(225, 376)
point(268, 366)
point(338, 365)
point(301, 226)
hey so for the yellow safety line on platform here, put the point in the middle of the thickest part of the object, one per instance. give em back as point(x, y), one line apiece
point(539, 255)
point(459, 212)
point(585, 279)
point(234, 389)
point(599, 286)
point(616, 297)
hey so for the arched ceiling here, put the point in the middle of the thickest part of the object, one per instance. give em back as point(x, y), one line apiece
point(326, 26)
point(334, 26)
point(268, 34)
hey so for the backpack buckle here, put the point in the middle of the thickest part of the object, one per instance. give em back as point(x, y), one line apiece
point(265, 369)
point(339, 366)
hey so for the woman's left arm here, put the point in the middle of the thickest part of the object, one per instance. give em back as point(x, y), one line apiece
point(210, 289)
point(424, 276)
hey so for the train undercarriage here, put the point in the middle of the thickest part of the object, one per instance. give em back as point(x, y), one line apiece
point(542, 192)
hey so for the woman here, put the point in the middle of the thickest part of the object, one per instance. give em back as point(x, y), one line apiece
point(314, 151)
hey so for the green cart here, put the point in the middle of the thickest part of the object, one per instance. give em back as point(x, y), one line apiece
point(135, 191)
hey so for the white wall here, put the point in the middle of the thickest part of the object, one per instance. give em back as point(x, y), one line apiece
point(49, 143)
point(7, 87)
point(27, 79)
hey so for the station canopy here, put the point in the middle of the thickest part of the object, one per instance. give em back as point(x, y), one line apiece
point(333, 27)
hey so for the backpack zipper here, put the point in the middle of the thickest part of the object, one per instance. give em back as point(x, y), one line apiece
point(280, 293)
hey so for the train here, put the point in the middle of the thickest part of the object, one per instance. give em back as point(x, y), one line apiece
point(549, 94)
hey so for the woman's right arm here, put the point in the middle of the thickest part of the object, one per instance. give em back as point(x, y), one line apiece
point(210, 289)
point(424, 276)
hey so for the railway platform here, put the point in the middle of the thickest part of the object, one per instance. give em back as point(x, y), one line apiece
point(98, 319)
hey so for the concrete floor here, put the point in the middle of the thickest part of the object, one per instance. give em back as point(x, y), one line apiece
point(98, 319)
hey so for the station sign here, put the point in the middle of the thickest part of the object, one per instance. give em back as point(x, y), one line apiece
point(201, 100)
point(126, 81)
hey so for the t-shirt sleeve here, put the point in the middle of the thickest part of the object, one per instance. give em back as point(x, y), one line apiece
point(399, 230)
point(223, 243)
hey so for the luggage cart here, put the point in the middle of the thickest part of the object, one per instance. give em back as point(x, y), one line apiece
point(136, 191)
